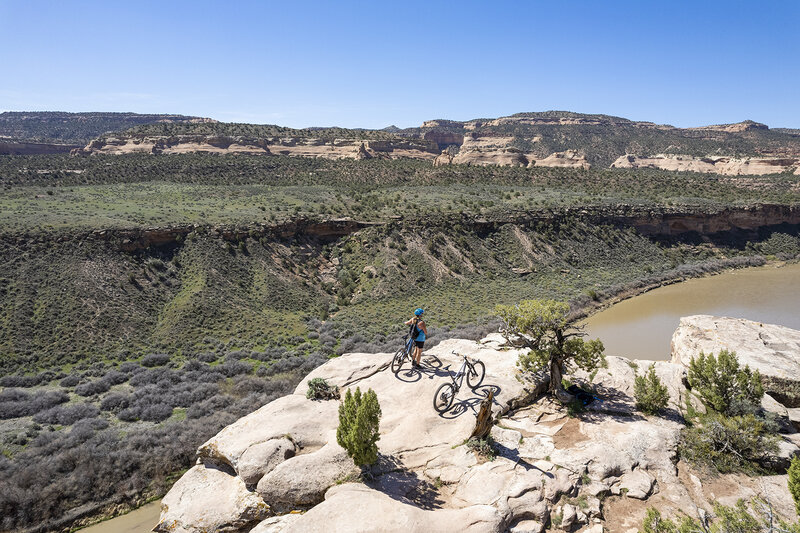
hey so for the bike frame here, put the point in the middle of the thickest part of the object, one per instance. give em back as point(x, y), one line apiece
point(458, 379)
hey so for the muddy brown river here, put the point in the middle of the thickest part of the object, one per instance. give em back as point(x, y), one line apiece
point(642, 327)
point(139, 520)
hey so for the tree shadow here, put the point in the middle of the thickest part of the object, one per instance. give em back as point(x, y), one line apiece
point(403, 485)
point(613, 403)
point(513, 454)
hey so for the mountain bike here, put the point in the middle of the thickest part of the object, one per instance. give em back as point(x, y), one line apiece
point(473, 369)
point(402, 354)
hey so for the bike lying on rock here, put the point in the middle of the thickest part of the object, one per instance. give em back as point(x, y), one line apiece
point(402, 354)
point(473, 369)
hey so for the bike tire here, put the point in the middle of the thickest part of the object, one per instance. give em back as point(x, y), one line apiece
point(397, 361)
point(475, 374)
point(443, 399)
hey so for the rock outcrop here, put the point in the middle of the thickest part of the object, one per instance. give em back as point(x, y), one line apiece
point(599, 469)
point(292, 146)
point(728, 166)
point(772, 350)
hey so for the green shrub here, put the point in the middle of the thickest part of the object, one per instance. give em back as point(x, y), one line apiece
point(722, 385)
point(319, 389)
point(484, 447)
point(359, 426)
point(794, 482)
point(653, 523)
point(757, 517)
point(729, 444)
point(651, 395)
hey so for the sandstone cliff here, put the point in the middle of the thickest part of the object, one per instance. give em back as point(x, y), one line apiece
point(729, 166)
point(291, 146)
point(597, 472)
point(549, 139)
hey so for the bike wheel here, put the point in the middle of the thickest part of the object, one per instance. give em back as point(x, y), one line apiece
point(475, 374)
point(397, 361)
point(444, 397)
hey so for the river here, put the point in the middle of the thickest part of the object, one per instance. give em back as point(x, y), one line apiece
point(642, 327)
point(139, 520)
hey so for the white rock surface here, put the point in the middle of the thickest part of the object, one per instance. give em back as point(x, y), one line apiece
point(356, 508)
point(772, 350)
point(208, 499)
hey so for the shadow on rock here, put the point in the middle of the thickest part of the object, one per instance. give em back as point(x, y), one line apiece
point(404, 485)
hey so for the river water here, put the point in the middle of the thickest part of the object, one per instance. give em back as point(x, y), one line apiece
point(139, 520)
point(642, 327)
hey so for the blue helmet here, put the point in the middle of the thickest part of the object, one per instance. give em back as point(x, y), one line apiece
point(419, 311)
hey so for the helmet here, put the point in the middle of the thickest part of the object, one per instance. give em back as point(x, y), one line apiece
point(419, 311)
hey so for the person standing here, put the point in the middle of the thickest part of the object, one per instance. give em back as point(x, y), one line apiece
point(418, 332)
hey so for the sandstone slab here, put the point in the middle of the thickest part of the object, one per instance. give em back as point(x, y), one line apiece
point(209, 499)
point(355, 508)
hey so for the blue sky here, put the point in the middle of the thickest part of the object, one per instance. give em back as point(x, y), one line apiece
point(371, 64)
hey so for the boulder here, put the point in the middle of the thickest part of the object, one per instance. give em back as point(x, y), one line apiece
point(306, 422)
point(638, 484)
point(209, 499)
point(261, 458)
point(302, 480)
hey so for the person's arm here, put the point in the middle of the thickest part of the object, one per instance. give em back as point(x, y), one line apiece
point(423, 328)
point(408, 322)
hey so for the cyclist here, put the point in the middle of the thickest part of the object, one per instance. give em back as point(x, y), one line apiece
point(418, 334)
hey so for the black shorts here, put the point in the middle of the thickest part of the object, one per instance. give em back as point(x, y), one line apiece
point(419, 344)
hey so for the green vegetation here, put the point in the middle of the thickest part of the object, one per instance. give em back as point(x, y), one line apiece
point(722, 385)
point(651, 395)
point(734, 435)
point(543, 327)
point(486, 447)
point(794, 482)
point(757, 517)
point(320, 389)
point(742, 443)
point(359, 426)
point(51, 193)
point(71, 127)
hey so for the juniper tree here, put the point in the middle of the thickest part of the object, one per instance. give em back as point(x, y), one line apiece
point(651, 395)
point(722, 385)
point(359, 425)
point(554, 345)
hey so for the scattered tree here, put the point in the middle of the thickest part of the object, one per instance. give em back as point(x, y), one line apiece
point(359, 425)
point(554, 345)
point(722, 385)
point(729, 443)
point(651, 395)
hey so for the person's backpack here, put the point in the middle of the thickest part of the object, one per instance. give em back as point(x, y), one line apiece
point(414, 331)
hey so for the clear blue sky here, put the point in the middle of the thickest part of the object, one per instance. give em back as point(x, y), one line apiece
point(371, 64)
